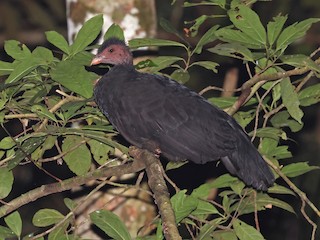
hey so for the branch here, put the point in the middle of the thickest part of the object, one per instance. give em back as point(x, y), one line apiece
point(159, 188)
point(67, 184)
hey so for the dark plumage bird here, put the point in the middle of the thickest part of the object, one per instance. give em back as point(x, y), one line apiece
point(158, 114)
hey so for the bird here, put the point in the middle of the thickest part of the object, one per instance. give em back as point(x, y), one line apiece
point(156, 113)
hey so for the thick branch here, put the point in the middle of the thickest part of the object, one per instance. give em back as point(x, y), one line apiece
point(159, 188)
point(67, 184)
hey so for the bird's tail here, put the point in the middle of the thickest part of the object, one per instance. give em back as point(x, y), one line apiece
point(247, 163)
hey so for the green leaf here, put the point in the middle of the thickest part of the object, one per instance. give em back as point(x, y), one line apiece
point(234, 50)
point(74, 77)
point(100, 151)
point(16, 50)
point(28, 147)
point(290, 100)
point(310, 95)
point(300, 60)
point(58, 41)
point(79, 159)
point(223, 181)
point(274, 28)
point(270, 148)
point(70, 203)
point(294, 32)
point(205, 208)
point(244, 118)
point(43, 112)
point(145, 42)
point(6, 179)
point(196, 24)
point(6, 233)
point(220, 3)
point(174, 165)
point(22, 69)
point(207, 229)
point(265, 200)
point(245, 231)
point(42, 56)
point(7, 143)
point(208, 37)
point(60, 233)
point(161, 62)
point(297, 169)
point(235, 36)
point(278, 189)
point(224, 235)
point(167, 26)
point(6, 68)
point(282, 119)
point(248, 21)
point(110, 224)
point(46, 217)
point(114, 31)
point(87, 34)
point(270, 132)
point(208, 65)
point(180, 76)
point(183, 205)
point(14, 222)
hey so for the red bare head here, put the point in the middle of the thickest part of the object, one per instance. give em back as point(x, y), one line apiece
point(113, 51)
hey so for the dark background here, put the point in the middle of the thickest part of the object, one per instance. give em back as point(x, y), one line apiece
point(27, 20)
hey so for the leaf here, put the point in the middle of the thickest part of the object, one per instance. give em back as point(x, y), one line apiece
point(208, 37)
point(43, 112)
point(46, 217)
point(161, 62)
point(22, 69)
point(300, 60)
point(235, 36)
point(110, 224)
point(60, 233)
point(145, 42)
point(70, 203)
point(294, 32)
point(180, 76)
point(6, 68)
point(79, 159)
point(58, 41)
point(245, 231)
point(208, 65)
point(270, 132)
point(183, 205)
point(234, 50)
point(6, 179)
point(16, 50)
point(310, 95)
point(196, 24)
point(274, 28)
point(223, 181)
point(114, 31)
point(174, 165)
point(244, 118)
point(297, 169)
point(7, 143)
point(100, 151)
point(220, 3)
point(278, 189)
point(74, 77)
point(14, 222)
point(42, 56)
point(282, 119)
point(87, 34)
point(205, 208)
point(207, 229)
point(271, 150)
point(224, 235)
point(28, 147)
point(167, 26)
point(248, 21)
point(290, 100)
point(6, 233)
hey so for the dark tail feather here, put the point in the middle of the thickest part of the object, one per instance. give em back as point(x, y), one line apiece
point(248, 165)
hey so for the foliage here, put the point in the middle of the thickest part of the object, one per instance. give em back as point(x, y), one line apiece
point(51, 95)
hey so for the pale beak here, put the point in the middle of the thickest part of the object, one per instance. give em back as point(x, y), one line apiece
point(96, 60)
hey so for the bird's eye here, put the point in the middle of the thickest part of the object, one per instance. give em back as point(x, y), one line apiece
point(110, 50)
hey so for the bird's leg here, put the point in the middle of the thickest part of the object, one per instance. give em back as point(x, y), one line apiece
point(153, 147)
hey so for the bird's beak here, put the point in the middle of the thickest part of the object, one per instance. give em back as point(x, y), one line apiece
point(96, 60)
